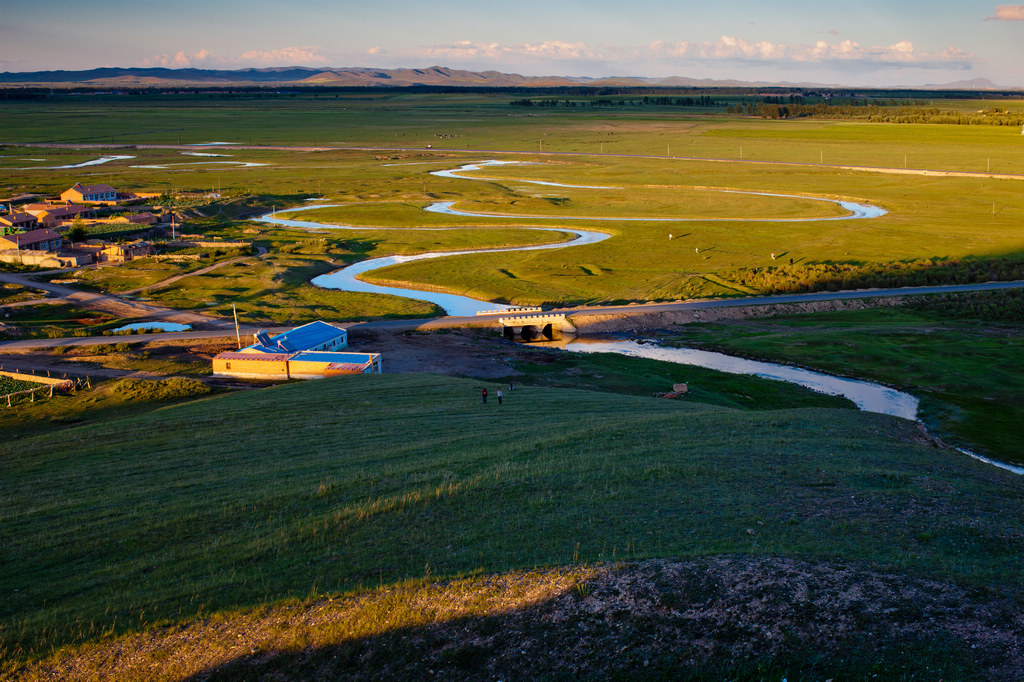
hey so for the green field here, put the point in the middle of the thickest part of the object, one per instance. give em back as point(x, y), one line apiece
point(958, 354)
point(234, 503)
point(122, 515)
point(930, 217)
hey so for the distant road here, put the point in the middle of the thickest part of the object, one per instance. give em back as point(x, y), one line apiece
point(226, 328)
point(115, 305)
point(703, 304)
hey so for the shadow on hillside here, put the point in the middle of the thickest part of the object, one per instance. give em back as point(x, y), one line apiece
point(736, 618)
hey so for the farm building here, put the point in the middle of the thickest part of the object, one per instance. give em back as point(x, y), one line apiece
point(119, 253)
point(315, 336)
point(20, 221)
point(38, 240)
point(54, 215)
point(89, 193)
point(307, 352)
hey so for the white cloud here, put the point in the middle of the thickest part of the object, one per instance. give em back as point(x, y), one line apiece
point(180, 59)
point(285, 56)
point(1008, 13)
point(903, 53)
point(727, 49)
point(552, 49)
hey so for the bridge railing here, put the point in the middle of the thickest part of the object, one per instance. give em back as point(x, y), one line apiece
point(509, 310)
point(531, 319)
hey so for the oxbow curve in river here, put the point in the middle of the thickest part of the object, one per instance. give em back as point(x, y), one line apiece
point(347, 279)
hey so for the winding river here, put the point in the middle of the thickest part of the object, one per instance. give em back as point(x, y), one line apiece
point(867, 396)
point(347, 279)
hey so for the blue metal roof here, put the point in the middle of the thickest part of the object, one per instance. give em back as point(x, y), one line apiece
point(305, 337)
point(265, 349)
point(321, 356)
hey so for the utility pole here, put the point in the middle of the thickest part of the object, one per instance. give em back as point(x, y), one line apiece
point(238, 336)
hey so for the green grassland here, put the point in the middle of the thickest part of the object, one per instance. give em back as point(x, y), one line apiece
point(959, 355)
point(127, 516)
point(53, 320)
point(235, 502)
point(486, 121)
point(932, 220)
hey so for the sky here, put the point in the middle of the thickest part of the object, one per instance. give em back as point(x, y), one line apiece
point(884, 43)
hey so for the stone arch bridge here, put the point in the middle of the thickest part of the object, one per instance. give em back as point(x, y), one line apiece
point(536, 326)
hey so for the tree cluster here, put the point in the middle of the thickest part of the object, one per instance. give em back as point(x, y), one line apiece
point(777, 108)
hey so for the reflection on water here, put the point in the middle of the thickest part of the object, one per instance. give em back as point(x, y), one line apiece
point(160, 326)
point(867, 396)
point(94, 162)
point(857, 211)
point(346, 279)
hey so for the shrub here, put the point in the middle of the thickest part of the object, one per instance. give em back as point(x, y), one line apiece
point(159, 389)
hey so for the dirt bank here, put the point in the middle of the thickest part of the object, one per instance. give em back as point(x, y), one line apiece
point(483, 354)
point(602, 324)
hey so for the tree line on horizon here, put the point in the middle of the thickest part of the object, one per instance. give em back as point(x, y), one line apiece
point(878, 114)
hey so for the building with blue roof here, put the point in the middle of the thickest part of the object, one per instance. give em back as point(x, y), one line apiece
point(311, 351)
point(315, 336)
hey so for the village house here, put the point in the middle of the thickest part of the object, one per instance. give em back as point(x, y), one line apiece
point(55, 215)
point(39, 247)
point(89, 193)
point(117, 253)
point(18, 221)
point(144, 218)
point(36, 240)
point(311, 351)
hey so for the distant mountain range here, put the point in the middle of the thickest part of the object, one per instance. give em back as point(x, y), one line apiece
point(130, 77)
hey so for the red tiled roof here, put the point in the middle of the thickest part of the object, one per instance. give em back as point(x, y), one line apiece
point(58, 211)
point(32, 237)
point(20, 217)
point(231, 355)
point(92, 189)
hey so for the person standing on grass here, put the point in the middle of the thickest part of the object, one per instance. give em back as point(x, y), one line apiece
point(483, 394)
point(499, 396)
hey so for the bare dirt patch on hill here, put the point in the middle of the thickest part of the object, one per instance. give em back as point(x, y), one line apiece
point(717, 618)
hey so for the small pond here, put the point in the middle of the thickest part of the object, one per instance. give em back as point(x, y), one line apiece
point(157, 326)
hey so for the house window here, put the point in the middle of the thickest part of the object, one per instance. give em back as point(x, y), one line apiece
point(227, 365)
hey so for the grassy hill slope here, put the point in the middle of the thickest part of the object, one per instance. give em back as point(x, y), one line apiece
point(236, 502)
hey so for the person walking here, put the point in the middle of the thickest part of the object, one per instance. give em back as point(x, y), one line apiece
point(483, 394)
point(499, 396)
